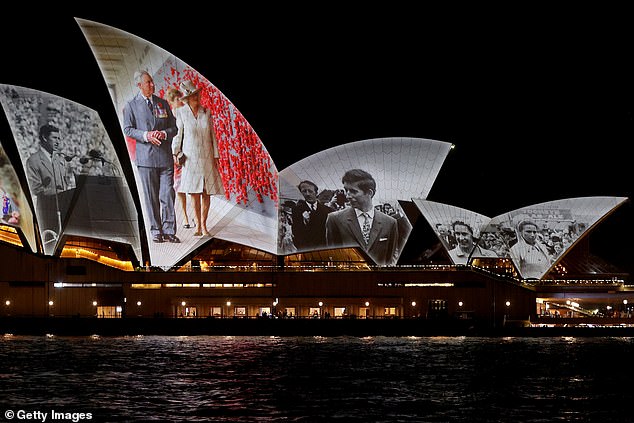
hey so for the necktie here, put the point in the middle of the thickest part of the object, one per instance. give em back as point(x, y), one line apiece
point(366, 227)
point(149, 104)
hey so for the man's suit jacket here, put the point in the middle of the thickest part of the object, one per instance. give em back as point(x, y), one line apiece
point(310, 234)
point(342, 230)
point(40, 168)
point(137, 119)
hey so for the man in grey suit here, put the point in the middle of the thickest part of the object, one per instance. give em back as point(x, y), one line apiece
point(149, 120)
point(50, 175)
point(361, 224)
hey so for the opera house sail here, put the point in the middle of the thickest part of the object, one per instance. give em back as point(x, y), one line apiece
point(239, 175)
point(74, 178)
point(323, 191)
point(534, 237)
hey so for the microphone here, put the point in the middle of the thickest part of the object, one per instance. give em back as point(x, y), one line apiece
point(65, 156)
point(97, 156)
point(93, 154)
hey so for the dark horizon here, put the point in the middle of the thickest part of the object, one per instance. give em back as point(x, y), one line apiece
point(533, 118)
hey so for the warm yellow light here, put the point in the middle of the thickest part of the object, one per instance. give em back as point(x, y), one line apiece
point(91, 255)
point(10, 235)
point(367, 303)
point(460, 303)
point(94, 303)
point(508, 303)
point(7, 302)
point(183, 303)
point(50, 303)
point(138, 303)
point(228, 303)
point(321, 303)
point(413, 303)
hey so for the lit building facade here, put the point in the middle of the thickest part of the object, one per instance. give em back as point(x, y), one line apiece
point(86, 232)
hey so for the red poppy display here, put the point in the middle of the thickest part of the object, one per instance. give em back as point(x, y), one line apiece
point(244, 164)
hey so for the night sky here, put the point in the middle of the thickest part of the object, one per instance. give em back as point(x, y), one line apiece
point(540, 106)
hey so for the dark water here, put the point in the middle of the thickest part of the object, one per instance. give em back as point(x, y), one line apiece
point(207, 378)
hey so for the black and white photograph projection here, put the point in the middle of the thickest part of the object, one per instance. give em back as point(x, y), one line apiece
point(16, 211)
point(348, 196)
point(72, 171)
point(201, 170)
point(537, 236)
point(459, 230)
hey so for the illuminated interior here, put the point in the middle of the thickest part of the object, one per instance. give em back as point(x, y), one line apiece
point(10, 235)
point(340, 259)
point(104, 252)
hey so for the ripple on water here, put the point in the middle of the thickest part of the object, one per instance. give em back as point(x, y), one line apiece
point(219, 378)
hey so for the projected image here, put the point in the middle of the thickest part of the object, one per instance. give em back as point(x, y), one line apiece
point(72, 170)
point(200, 168)
point(345, 217)
point(15, 208)
point(536, 237)
point(348, 196)
point(459, 230)
point(10, 207)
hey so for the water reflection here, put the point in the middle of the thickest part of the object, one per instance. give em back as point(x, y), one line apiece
point(225, 378)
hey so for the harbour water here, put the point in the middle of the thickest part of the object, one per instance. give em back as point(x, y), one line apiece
point(305, 379)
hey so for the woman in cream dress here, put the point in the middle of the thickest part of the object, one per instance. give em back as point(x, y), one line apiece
point(197, 142)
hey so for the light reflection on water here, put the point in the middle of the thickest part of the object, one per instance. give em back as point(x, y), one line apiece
point(226, 378)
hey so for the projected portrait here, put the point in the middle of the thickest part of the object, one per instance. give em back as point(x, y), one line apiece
point(72, 171)
point(361, 224)
point(459, 230)
point(536, 237)
point(348, 196)
point(200, 168)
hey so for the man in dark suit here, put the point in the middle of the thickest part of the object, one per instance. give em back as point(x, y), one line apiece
point(148, 119)
point(309, 219)
point(361, 224)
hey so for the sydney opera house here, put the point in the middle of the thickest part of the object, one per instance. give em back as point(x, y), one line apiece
point(185, 215)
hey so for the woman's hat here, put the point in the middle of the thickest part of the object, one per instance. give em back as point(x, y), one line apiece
point(188, 88)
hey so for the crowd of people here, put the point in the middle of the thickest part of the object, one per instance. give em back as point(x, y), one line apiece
point(534, 244)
